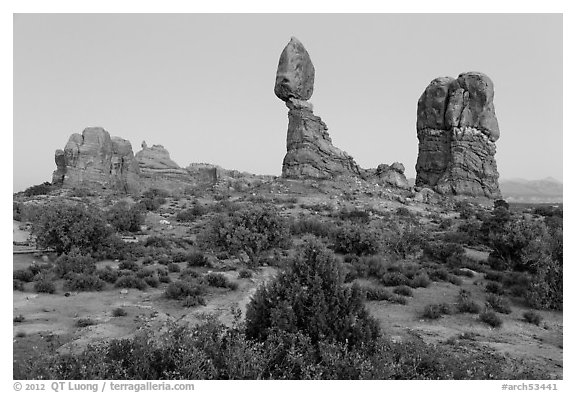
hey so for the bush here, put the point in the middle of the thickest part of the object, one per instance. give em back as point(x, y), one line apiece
point(394, 279)
point(107, 274)
point(254, 230)
point(126, 218)
point(375, 293)
point(156, 241)
point(442, 251)
point(129, 265)
point(404, 240)
point(83, 282)
point(44, 286)
point(532, 317)
point(435, 311)
point(192, 213)
point(165, 279)
point(152, 281)
point(131, 281)
point(64, 227)
point(19, 318)
point(74, 262)
point(310, 298)
point(18, 285)
point(196, 259)
point(189, 273)
point(245, 273)
point(403, 290)
point(25, 275)
point(311, 225)
point(174, 268)
point(355, 239)
point(84, 322)
point(39, 189)
point(439, 274)
point(119, 312)
point(495, 288)
point(491, 318)
point(193, 301)
point(498, 303)
point(179, 290)
point(465, 304)
point(420, 280)
point(219, 280)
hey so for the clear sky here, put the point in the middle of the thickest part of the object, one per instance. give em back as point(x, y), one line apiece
point(202, 84)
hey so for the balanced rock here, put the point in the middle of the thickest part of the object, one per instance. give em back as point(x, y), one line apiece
point(457, 130)
point(295, 74)
point(310, 153)
point(93, 158)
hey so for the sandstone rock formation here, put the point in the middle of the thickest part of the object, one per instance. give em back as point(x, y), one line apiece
point(96, 159)
point(457, 128)
point(310, 153)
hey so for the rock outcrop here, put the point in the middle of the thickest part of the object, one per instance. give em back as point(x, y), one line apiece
point(310, 153)
point(93, 158)
point(457, 130)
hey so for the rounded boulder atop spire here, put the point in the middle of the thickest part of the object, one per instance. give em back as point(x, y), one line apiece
point(295, 74)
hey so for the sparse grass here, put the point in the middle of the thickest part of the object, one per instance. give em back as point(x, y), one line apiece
point(532, 317)
point(491, 318)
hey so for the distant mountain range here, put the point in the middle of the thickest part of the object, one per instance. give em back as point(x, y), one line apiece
point(548, 190)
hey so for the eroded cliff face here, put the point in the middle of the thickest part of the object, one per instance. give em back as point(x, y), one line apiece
point(94, 159)
point(457, 130)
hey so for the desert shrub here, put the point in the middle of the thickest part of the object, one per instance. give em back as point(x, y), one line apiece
point(393, 279)
point(494, 276)
point(439, 274)
point(420, 280)
point(196, 259)
point(355, 239)
point(545, 290)
point(245, 273)
point(398, 299)
point(119, 312)
point(310, 225)
point(495, 288)
point(219, 280)
point(403, 290)
point(174, 268)
point(193, 301)
point(165, 279)
point(454, 279)
point(19, 318)
point(465, 304)
point(152, 281)
point(465, 209)
point(126, 218)
point(84, 322)
point(179, 290)
point(354, 214)
point(532, 317)
point(39, 189)
point(129, 265)
point(107, 274)
point(491, 318)
point(74, 262)
point(130, 281)
point(310, 297)
point(157, 241)
point(404, 239)
point(442, 251)
point(435, 311)
point(64, 227)
point(25, 275)
point(18, 285)
point(188, 274)
point(152, 199)
point(254, 230)
point(463, 272)
point(375, 293)
point(403, 212)
point(192, 213)
point(44, 286)
point(498, 303)
point(83, 282)
point(146, 272)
